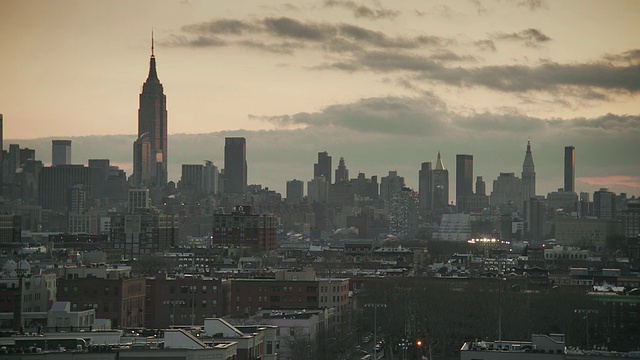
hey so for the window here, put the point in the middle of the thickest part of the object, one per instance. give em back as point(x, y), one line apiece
point(204, 289)
point(106, 290)
point(204, 303)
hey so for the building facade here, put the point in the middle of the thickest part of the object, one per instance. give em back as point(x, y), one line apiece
point(323, 166)
point(528, 178)
point(182, 300)
point(143, 234)
point(235, 165)
point(440, 181)
point(464, 180)
point(60, 152)
point(425, 188)
point(295, 191)
point(569, 169)
point(243, 229)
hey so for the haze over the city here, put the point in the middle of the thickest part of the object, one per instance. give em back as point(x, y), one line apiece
point(385, 85)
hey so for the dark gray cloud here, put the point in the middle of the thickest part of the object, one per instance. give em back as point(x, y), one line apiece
point(220, 27)
point(449, 56)
point(428, 116)
point(281, 47)
point(361, 11)
point(328, 36)
point(424, 57)
point(485, 45)
point(292, 28)
point(531, 37)
point(533, 4)
point(198, 41)
point(394, 115)
point(508, 78)
point(630, 56)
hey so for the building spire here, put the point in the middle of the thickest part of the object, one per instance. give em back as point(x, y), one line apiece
point(439, 164)
point(153, 74)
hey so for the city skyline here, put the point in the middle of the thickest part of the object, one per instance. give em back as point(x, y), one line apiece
point(340, 77)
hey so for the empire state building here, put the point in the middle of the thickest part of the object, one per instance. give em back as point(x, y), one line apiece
point(150, 148)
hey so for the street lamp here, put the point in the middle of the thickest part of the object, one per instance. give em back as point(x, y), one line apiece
point(586, 313)
point(375, 325)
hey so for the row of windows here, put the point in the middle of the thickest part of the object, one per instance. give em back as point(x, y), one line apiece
point(116, 290)
point(191, 289)
point(276, 289)
point(277, 298)
point(334, 298)
point(334, 288)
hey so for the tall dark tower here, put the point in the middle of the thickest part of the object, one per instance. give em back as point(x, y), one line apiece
point(425, 188)
point(235, 165)
point(150, 148)
point(440, 185)
point(464, 181)
point(528, 176)
point(323, 167)
point(570, 169)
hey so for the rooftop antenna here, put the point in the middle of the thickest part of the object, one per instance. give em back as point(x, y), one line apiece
point(152, 42)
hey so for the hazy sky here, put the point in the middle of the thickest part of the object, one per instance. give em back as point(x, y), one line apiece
point(386, 84)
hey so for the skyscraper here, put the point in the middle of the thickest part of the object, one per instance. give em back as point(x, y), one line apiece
point(323, 167)
point(425, 189)
point(142, 160)
point(210, 175)
point(604, 204)
point(295, 191)
point(390, 184)
point(528, 176)
point(192, 177)
point(569, 169)
point(506, 191)
point(535, 216)
point(235, 165)
point(440, 184)
point(464, 180)
point(150, 148)
point(60, 152)
point(342, 173)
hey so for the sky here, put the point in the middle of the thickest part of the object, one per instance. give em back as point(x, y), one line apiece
point(385, 84)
